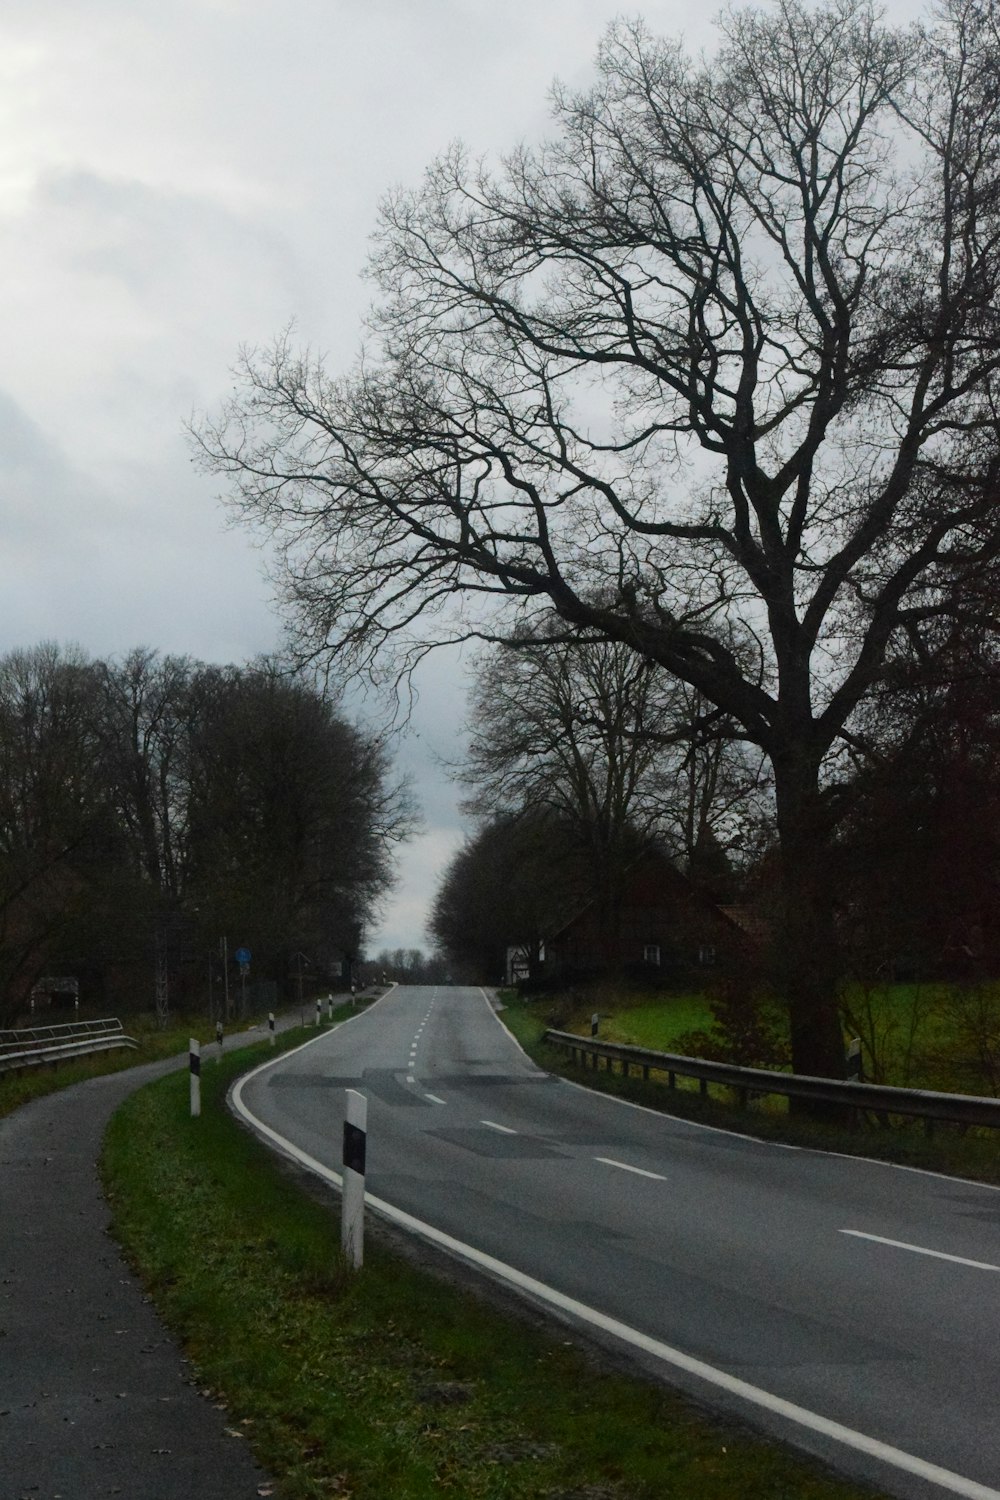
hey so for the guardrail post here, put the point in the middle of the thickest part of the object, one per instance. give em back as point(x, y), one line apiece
point(352, 1223)
point(270, 1025)
point(194, 1063)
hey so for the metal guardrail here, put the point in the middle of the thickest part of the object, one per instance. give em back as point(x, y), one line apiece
point(32, 1046)
point(960, 1109)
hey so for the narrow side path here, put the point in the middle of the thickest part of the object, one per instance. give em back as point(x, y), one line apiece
point(96, 1397)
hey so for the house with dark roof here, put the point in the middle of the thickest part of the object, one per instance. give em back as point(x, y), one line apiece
point(662, 925)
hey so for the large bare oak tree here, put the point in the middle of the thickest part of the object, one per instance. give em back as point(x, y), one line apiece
point(713, 373)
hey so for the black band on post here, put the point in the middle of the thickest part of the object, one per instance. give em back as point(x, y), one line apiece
point(354, 1148)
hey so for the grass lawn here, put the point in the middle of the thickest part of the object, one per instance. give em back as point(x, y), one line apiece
point(657, 1023)
point(388, 1384)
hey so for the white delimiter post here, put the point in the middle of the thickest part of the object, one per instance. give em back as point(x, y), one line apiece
point(194, 1062)
point(270, 1025)
point(352, 1224)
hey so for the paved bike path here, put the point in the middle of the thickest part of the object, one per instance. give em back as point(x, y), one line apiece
point(96, 1398)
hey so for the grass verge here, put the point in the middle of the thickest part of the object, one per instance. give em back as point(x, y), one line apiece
point(389, 1382)
point(972, 1153)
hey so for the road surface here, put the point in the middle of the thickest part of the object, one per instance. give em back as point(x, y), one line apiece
point(850, 1307)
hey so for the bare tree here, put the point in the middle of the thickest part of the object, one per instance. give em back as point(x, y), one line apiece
point(613, 748)
point(506, 887)
point(713, 374)
point(146, 733)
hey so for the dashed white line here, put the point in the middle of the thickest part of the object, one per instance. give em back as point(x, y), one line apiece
point(434, 1099)
point(609, 1161)
point(505, 1129)
point(959, 1260)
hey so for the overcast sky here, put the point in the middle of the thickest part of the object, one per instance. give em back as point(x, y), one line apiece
point(178, 178)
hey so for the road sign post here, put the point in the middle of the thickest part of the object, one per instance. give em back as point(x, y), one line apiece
point(242, 957)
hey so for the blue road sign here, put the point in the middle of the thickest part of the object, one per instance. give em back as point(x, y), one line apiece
point(242, 955)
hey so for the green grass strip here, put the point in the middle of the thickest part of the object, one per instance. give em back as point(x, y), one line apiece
point(390, 1383)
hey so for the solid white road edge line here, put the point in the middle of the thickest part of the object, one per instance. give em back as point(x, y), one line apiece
point(959, 1260)
point(873, 1161)
point(609, 1161)
point(908, 1463)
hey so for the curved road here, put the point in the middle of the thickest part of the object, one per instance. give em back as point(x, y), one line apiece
point(848, 1306)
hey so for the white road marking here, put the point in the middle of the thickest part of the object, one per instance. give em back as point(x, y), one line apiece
point(896, 1458)
point(959, 1260)
point(410, 1078)
point(494, 1126)
point(434, 1099)
point(609, 1161)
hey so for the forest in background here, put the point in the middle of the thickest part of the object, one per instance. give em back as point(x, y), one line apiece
point(157, 814)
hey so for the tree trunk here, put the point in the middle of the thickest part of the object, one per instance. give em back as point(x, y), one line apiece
point(806, 969)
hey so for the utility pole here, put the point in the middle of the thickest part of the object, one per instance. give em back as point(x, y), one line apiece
point(225, 972)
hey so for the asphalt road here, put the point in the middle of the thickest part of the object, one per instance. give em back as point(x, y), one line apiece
point(849, 1306)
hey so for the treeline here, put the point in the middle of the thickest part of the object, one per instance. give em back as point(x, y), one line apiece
point(582, 756)
point(157, 813)
point(408, 966)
